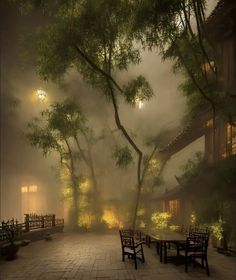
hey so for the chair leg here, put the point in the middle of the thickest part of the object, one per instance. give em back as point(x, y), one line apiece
point(135, 261)
point(186, 266)
point(177, 251)
point(123, 257)
point(143, 259)
point(186, 263)
point(158, 247)
point(207, 267)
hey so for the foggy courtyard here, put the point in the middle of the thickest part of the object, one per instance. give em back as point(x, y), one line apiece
point(117, 132)
point(98, 256)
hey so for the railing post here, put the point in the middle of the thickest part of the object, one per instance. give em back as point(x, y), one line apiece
point(42, 221)
point(27, 226)
point(53, 220)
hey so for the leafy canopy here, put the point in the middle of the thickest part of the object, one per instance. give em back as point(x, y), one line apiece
point(88, 35)
point(56, 125)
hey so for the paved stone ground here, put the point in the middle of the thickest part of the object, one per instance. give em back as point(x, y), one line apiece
point(91, 256)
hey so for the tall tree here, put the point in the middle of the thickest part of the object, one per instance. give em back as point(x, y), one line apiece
point(95, 38)
point(42, 136)
point(58, 129)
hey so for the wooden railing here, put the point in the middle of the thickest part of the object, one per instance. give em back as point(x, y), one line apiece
point(32, 222)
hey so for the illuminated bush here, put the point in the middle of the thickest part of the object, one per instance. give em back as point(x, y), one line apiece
point(193, 219)
point(174, 227)
point(86, 220)
point(161, 219)
point(218, 230)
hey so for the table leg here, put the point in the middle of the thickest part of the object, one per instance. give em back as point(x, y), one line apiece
point(158, 247)
point(165, 252)
point(160, 250)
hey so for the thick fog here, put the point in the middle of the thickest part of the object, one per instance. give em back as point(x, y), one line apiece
point(23, 165)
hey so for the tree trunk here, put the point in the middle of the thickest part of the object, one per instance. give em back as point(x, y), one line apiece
point(75, 206)
point(97, 196)
point(88, 159)
point(136, 207)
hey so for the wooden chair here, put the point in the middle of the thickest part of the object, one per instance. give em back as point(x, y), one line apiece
point(131, 248)
point(193, 232)
point(196, 248)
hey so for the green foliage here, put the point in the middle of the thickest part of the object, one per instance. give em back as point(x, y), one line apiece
point(123, 156)
point(214, 187)
point(137, 89)
point(192, 168)
point(161, 219)
point(158, 181)
point(100, 30)
point(155, 20)
point(176, 29)
point(42, 138)
point(217, 229)
point(56, 125)
point(67, 118)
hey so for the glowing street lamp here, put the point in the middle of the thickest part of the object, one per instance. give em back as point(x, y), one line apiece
point(41, 95)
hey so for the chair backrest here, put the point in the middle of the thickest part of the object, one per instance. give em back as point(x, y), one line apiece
point(199, 230)
point(127, 232)
point(197, 244)
point(127, 240)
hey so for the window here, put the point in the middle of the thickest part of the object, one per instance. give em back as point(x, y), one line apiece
point(231, 138)
point(209, 123)
point(174, 207)
point(24, 189)
point(33, 188)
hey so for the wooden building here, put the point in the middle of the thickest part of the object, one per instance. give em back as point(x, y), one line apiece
point(221, 27)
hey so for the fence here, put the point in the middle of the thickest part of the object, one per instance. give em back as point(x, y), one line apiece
point(32, 222)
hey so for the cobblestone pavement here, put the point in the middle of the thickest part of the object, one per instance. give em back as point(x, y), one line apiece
point(91, 256)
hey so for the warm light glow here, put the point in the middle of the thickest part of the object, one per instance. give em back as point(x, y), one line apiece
point(111, 219)
point(142, 224)
point(33, 188)
point(174, 227)
point(209, 123)
point(153, 165)
point(193, 218)
point(231, 138)
point(139, 102)
point(66, 192)
point(86, 220)
point(174, 206)
point(24, 189)
point(209, 66)
point(161, 219)
point(85, 186)
point(218, 229)
point(41, 95)
point(141, 212)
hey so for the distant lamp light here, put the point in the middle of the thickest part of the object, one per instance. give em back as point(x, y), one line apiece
point(24, 189)
point(33, 188)
point(139, 103)
point(41, 95)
